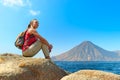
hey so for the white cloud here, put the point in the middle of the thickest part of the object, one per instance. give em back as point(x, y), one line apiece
point(28, 3)
point(34, 13)
point(14, 3)
point(20, 3)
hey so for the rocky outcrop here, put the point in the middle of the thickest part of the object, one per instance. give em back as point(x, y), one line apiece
point(91, 75)
point(15, 67)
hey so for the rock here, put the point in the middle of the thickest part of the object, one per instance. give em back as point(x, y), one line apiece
point(91, 75)
point(15, 67)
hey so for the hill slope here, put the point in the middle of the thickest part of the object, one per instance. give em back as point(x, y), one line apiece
point(87, 51)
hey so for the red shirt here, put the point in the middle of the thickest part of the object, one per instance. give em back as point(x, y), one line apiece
point(28, 40)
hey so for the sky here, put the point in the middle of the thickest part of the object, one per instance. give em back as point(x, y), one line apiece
point(63, 23)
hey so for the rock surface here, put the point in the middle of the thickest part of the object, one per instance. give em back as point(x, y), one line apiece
point(91, 75)
point(15, 67)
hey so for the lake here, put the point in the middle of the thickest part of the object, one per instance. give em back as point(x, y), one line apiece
point(73, 66)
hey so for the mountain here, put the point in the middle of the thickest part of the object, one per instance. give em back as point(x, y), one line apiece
point(87, 51)
point(118, 51)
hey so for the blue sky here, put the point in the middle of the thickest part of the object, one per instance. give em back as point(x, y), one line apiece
point(64, 23)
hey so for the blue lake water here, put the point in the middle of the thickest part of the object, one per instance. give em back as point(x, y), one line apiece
point(73, 66)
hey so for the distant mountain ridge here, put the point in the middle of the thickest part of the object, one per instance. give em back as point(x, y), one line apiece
point(118, 51)
point(87, 51)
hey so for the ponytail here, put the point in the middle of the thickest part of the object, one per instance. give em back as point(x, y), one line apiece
point(29, 26)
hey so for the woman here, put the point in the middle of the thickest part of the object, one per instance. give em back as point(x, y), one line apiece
point(34, 42)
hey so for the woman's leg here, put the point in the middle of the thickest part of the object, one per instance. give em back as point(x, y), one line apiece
point(45, 51)
point(33, 49)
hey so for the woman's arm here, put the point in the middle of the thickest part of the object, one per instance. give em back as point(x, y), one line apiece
point(43, 40)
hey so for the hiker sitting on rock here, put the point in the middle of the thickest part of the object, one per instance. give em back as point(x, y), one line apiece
point(34, 42)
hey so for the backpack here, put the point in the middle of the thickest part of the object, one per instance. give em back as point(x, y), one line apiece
point(20, 40)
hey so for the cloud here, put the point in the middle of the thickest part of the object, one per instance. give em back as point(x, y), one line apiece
point(34, 13)
point(20, 3)
point(15, 3)
point(28, 3)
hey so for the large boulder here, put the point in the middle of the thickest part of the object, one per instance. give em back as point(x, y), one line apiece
point(91, 75)
point(15, 67)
